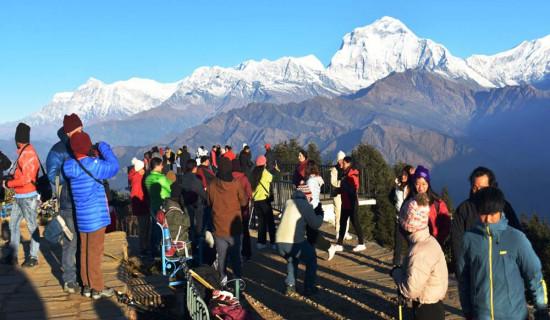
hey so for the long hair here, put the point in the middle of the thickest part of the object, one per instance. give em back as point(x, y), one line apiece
point(311, 169)
point(431, 194)
point(256, 176)
point(405, 171)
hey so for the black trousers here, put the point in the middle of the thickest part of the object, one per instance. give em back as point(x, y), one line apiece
point(266, 221)
point(314, 237)
point(353, 215)
point(434, 311)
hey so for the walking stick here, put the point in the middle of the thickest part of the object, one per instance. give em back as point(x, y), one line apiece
point(400, 303)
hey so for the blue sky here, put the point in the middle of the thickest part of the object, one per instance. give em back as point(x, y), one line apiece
point(54, 46)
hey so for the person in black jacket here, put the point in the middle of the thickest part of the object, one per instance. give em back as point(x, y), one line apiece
point(246, 161)
point(184, 156)
point(270, 156)
point(466, 215)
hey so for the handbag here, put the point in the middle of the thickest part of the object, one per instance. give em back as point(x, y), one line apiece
point(53, 231)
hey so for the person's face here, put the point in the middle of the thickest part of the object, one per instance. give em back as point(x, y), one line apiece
point(345, 165)
point(79, 129)
point(421, 185)
point(490, 218)
point(301, 157)
point(340, 162)
point(411, 171)
point(480, 183)
point(404, 178)
point(226, 150)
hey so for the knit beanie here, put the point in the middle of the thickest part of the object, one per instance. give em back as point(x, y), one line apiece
point(340, 156)
point(267, 146)
point(260, 161)
point(415, 217)
point(170, 175)
point(138, 164)
point(224, 170)
point(81, 143)
point(204, 158)
point(23, 133)
point(71, 122)
point(304, 188)
point(422, 172)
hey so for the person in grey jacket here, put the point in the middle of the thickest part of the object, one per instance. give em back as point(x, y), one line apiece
point(292, 245)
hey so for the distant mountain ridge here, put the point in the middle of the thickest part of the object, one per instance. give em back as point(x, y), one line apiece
point(366, 55)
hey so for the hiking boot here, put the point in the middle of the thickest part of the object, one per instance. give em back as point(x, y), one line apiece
point(105, 293)
point(87, 292)
point(29, 263)
point(71, 287)
point(290, 291)
point(309, 291)
point(338, 248)
point(331, 252)
point(260, 246)
point(359, 247)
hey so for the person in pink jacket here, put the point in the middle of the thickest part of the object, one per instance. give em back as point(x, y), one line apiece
point(424, 276)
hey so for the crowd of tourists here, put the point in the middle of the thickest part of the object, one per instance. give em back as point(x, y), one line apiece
point(212, 196)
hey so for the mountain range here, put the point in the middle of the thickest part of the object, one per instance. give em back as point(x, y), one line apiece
point(409, 97)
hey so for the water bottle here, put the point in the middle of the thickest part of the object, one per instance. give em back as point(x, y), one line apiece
point(167, 239)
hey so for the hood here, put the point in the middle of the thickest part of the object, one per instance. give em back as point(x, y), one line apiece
point(170, 203)
point(237, 175)
point(223, 185)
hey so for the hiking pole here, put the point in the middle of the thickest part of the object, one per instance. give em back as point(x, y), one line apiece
point(400, 303)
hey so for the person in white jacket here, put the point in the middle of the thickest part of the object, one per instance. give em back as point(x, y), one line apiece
point(424, 275)
point(335, 177)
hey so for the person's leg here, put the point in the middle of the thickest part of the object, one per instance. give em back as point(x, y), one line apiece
point(69, 248)
point(270, 219)
point(434, 311)
point(307, 253)
point(96, 242)
point(321, 242)
point(258, 209)
point(337, 202)
point(144, 229)
point(15, 231)
point(398, 247)
point(29, 208)
point(246, 250)
point(343, 221)
point(84, 245)
point(235, 255)
point(354, 217)
point(222, 246)
point(155, 236)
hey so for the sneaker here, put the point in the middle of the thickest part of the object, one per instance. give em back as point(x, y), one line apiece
point(359, 247)
point(260, 246)
point(71, 287)
point(29, 263)
point(209, 239)
point(331, 252)
point(290, 291)
point(105, 293)
point(87, 292)
point(348, 236)
point(337, 248)
point(309, 291)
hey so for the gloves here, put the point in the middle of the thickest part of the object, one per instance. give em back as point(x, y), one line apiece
point(542, 314)
point(393, 269)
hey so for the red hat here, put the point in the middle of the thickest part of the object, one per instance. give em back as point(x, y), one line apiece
point(71, 122)
point(267, 146)
point(81, 143)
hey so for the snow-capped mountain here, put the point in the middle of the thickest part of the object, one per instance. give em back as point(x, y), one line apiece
point(527, 63)
point(371, 53)
point(96, 101)
point(280, 81)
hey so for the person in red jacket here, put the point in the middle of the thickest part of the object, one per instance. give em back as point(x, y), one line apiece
point(440, 219)
point(26, 198)
point(229, 153)
point(213, 158)
point(140, 204)
point(349, 186)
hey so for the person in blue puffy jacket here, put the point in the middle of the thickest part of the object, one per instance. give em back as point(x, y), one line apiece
point(495, 262)
point(85, 174)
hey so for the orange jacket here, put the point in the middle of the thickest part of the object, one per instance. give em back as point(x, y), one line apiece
point(25, 171)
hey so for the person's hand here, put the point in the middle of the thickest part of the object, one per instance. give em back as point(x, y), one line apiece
point(393, 269)
point(276, 166)
point(4, 184)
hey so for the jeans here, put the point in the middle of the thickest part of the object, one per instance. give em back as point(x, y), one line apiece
point(293, 253)
point(25, 208)
point(231, 246)
point(69, 247)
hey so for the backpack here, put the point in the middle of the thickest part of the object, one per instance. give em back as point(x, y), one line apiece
point(42, 183)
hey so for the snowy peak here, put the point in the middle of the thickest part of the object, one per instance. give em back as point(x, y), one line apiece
point(528, 62)
point(370, 53)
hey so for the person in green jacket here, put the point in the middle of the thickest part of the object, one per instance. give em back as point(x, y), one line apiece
point(158, 187)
